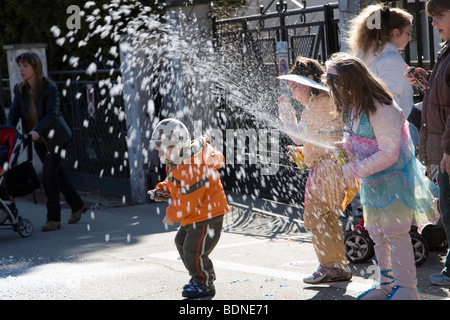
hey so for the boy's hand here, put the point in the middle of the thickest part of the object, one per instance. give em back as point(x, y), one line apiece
point(167, 221)
point(151, 193)
point(158, 194)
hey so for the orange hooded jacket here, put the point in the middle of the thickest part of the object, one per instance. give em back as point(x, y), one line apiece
point(194, 185)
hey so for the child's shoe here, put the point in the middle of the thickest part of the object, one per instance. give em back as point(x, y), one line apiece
point(440, 279)
point(382, 290)
point(325, 274)
point(187, 285)
point(377, 292)
point(401, 293)
point(195, 290)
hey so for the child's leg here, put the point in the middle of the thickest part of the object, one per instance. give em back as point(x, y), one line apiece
point(313, 215)
point(403, 266)
point(385, 284)
point(328, 241)
point(179, 242)
point(199, 241)
point(382, 253)
point(336, 235)
point(327, 234)
point(394, 252)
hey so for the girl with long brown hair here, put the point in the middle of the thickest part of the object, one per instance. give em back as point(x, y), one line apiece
point(394, 191)
point(325, 191)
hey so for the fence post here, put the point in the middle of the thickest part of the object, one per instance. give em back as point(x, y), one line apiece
point(331, 33)
point(132, 108)
point(418, 34)
point(281, 8)
point(214, 31)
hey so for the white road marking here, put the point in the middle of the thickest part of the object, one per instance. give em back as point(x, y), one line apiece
point(276, 273)
point(270, 272)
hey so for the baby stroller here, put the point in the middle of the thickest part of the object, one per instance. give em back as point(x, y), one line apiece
point(20, 177)
point(359, 247)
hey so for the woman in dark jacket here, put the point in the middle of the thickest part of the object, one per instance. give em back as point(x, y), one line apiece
point(36, 103)
point(434, 146)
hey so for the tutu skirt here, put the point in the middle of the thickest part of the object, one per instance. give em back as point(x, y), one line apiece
point(399, 195)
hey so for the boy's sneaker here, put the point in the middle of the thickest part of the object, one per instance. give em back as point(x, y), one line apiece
point(440, 279)
point(328, 274)
point(187, 285)
point(195, 290)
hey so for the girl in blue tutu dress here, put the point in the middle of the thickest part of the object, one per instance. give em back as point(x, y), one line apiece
point(395, 193)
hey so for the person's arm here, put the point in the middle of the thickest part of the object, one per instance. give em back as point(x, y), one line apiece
point(287, 116)
point(387, 124)
point(52, 109)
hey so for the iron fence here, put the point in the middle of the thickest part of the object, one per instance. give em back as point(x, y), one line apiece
point(248, 46)
point(310, 32)
point(97, 158)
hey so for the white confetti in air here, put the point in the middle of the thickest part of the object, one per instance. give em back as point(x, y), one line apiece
point(91, 69)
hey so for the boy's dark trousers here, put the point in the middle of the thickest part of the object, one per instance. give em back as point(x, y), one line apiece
point(194, 243)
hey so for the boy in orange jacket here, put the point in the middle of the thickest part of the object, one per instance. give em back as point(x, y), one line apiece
point(197, 200)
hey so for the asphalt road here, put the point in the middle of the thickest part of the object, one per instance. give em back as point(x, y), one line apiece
point(126, 253)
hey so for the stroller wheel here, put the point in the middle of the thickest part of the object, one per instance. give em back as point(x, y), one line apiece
point(24, 227)
point(420, 247)
point(358, 246)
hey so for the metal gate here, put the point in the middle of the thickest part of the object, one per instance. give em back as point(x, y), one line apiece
point(251, 45)
point(309, 32)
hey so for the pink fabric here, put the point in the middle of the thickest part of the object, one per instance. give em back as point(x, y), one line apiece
point(381, 153)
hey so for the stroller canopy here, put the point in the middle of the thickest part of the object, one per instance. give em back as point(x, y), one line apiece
point(8, 139)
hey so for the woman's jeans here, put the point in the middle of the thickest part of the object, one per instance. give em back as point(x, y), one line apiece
point(55, 182)
point(444, 205)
